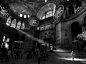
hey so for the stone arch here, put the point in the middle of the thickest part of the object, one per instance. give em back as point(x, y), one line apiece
point(75, 29)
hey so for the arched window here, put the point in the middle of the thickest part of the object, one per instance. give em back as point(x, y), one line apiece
point(18, 25)
point(13, 24)
point(20, 15)
point(25, 16)
point(23, 26)
point(4, 38)
point(48, 14)
point(8, 21)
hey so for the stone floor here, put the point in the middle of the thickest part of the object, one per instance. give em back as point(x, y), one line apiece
point(54, 58)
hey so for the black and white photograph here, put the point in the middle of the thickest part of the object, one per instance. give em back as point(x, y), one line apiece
point(42, 32)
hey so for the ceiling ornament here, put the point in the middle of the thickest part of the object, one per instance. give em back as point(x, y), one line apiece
point(47, 10)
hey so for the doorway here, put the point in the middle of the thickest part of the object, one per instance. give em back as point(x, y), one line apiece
point(75, 29)
point(48, 40)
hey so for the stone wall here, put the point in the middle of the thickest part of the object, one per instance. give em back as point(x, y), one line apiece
point(63, 30)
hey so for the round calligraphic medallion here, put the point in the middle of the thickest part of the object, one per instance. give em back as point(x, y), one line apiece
point(33, 21)
point(59, 12)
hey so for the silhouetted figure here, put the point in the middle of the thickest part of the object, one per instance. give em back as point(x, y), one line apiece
point(38, 56)
point(4, 54)
point(1, 55)
point(73, 54)
point(28, 55)
point(22, 52)
point(8, 55)
point(16, 51)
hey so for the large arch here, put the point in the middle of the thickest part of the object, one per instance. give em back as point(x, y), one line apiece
point(84, 24)
point(75, 29)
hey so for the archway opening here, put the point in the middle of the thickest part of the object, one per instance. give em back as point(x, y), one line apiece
point(75, 29)
point(84, 24)
point(15, 36)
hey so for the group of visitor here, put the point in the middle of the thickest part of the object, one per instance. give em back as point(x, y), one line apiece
point(5, 54)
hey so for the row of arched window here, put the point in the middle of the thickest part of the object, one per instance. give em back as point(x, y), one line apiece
point(15, 24)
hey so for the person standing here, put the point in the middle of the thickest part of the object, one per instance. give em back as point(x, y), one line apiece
point(8, 54)
point(73, 54)
point(16, 54)
point(1, 56)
